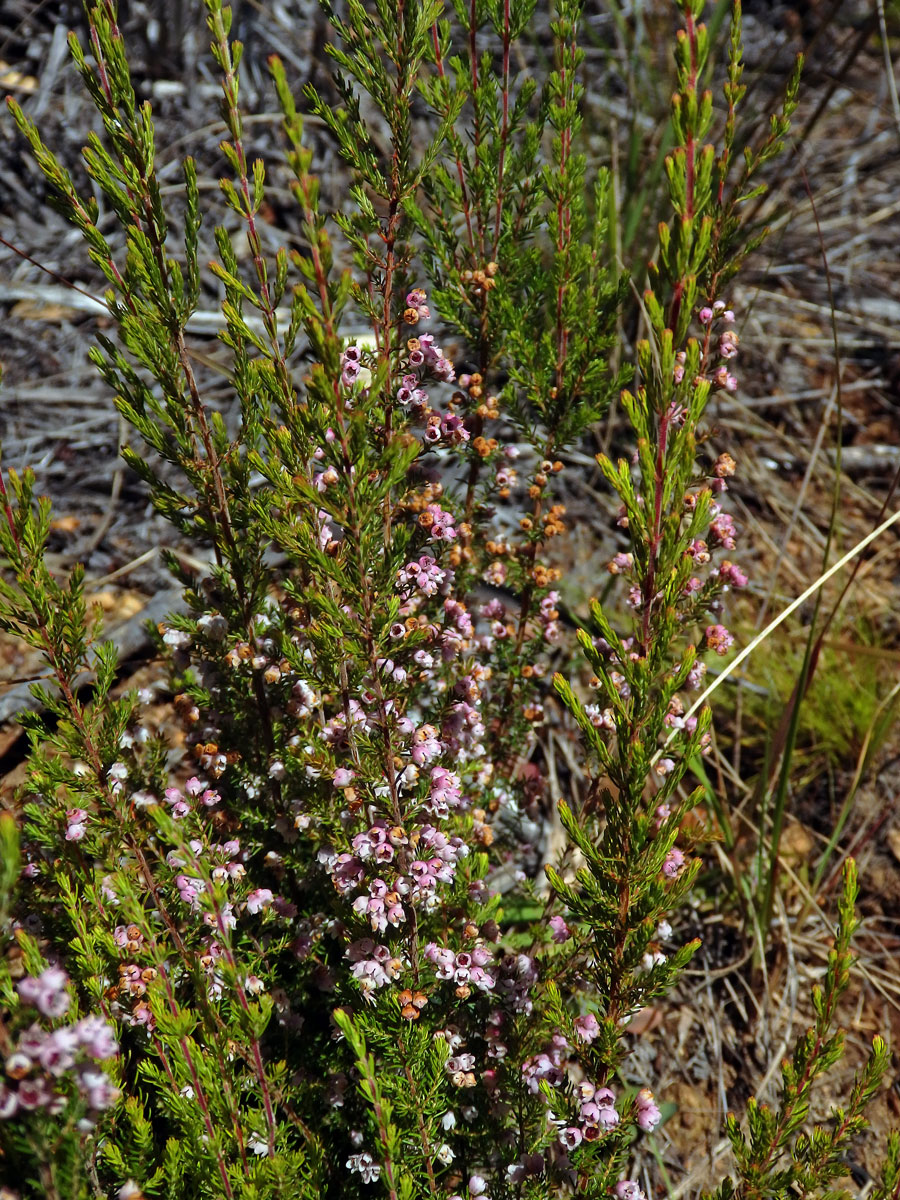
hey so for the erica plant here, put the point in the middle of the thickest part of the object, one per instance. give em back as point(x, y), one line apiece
point(294, 952)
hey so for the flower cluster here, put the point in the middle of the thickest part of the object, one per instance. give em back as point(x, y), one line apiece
point(42, 1060)
point(364, 1165)
point(627, 1189)
point(373, 966)
point(648, 1113)
point(47, 992)
point(596, 1115)
point(438, 524)
point(423, 574)
point(316, 912)
point(354, 375)
point(76, 824)
point(467, 968)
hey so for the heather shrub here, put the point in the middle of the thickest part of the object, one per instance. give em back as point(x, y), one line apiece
point(299, 953)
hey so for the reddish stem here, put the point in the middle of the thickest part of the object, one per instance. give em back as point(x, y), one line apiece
point(656, 535)
point(245, 1005)
point(504, 126)
point(461, 175)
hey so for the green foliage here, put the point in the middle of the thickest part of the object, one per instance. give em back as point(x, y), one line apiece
point(837, 722)
point(774, 1157)
point(272, 959)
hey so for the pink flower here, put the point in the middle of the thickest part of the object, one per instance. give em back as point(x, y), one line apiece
point(444, 793)
point(648, 1114)
point(8, 1103)
point(608, 1118)
point(723, 377)
point(732, 574)
point(438, 523)
point(415, 300)
point(47, 991)
point(722, 531)
point(570, 1137)
point(673, 864)
point(351, 366)
point(424, 574)
point(587, 1028)
point(425, 745)
point(32, 1094)
point(620, 563)
point(96, 1037)
point(696, 676)
point(75, 824)
point(560, 930)
point(259, 899)
point(719, 639)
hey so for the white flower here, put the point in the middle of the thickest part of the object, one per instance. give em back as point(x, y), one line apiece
point(177, 639)
point(365, 1165)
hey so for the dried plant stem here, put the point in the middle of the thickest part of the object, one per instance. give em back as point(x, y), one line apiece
point(814, 587)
